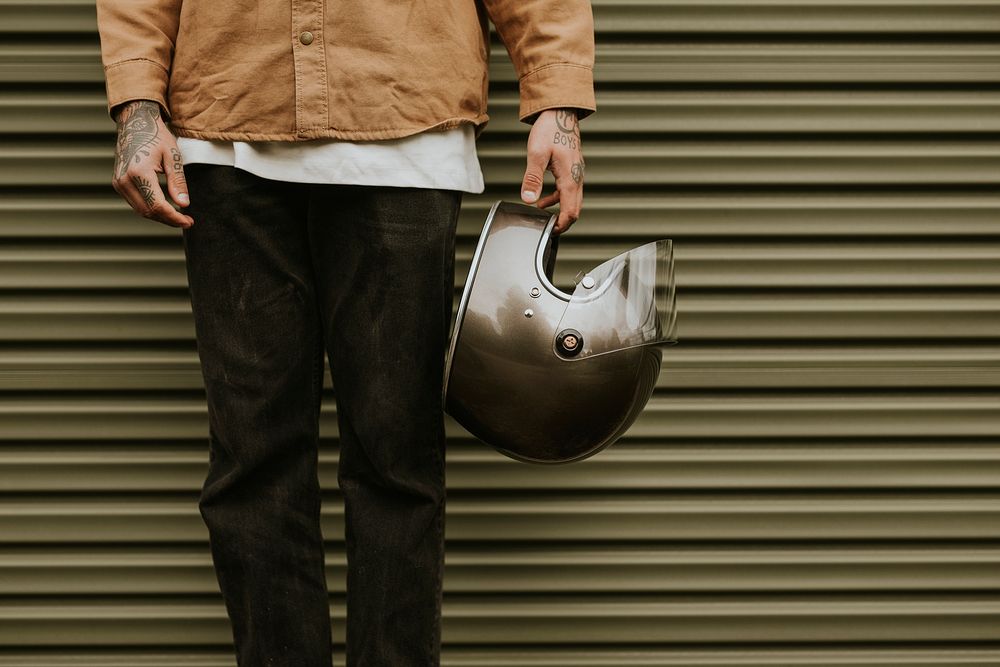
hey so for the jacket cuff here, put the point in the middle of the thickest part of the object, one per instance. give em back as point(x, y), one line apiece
point(136, 79)
point(557, 85)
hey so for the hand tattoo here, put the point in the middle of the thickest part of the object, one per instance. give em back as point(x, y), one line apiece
point(138, 130)
point(576, 171)
point(568, 133)
point(145, 189)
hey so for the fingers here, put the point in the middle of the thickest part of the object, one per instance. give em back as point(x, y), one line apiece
point(550, 199)
point(142, 191)
point(538, 160)
point(176, 183)
point(570, 204)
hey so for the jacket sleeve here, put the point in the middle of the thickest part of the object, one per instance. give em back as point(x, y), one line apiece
point(551, 44)
point(137, 48)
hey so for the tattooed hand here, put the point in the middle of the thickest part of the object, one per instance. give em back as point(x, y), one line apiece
point(554, 144)
point(146, 148)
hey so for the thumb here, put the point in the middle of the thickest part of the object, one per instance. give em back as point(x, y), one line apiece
point(531, 186)
point(176, 183)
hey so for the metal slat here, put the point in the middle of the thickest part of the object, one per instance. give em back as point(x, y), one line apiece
point(681, 415)
point(549, 620)
point(765, 265)
point(723, 316)
point(621, 214)
point(74, 366)
point(747, 655)
point(631, 464)
point(634, 517)
point(497, 568)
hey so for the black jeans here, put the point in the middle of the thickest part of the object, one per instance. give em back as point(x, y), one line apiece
point(278, 272)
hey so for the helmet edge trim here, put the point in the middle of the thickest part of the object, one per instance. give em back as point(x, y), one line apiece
point(466, 291)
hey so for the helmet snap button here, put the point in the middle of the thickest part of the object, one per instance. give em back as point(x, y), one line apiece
point(569, 342)
point(588, 282)
point(529, 312)
point(535, 292)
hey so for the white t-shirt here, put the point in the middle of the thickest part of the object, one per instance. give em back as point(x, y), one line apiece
point(444, 159)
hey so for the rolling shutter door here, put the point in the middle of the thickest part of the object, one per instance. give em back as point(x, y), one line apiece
point(815, 481)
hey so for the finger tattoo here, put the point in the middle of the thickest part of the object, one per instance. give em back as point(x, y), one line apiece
point(178, 164)
point(145, 189)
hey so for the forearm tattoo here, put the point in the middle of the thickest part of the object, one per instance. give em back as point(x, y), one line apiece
point(568, 133)
point(138, 131)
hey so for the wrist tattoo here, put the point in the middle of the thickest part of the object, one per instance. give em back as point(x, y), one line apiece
point(568, 133)
point(138, 131)
point(567, 122)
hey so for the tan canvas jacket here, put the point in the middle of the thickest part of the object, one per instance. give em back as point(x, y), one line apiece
point(292, 70)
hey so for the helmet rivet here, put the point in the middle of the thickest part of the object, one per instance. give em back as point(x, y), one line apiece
point(588, 282)
point(535, 292)
point(529, 312)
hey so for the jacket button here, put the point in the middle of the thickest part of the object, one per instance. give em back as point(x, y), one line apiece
point(306, 37)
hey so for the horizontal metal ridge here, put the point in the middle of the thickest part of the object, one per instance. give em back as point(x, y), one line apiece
point(723, 315)
point(762, 264)
point(630, 465)
point(513, 569)
point(73, 366)
point(690, 414)
point(570, 621)
point(722, 213)
point(748, 655)
point(556, 518)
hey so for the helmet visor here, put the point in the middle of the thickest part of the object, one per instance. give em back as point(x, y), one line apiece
point(625, 302)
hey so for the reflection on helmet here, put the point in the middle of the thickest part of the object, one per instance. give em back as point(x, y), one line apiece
point(548, 377)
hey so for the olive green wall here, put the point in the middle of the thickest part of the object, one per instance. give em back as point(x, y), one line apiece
point(816, 481)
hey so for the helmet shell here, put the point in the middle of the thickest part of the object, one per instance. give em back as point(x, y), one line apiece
point(505, 380)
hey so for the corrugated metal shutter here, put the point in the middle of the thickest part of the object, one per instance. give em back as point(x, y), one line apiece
point(815, 481)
